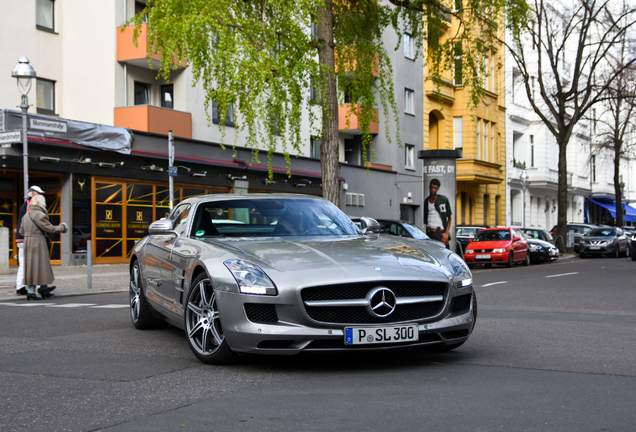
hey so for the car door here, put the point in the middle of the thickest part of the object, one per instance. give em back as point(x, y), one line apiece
point(518, 246)
point(157, 270)
point(622, 240)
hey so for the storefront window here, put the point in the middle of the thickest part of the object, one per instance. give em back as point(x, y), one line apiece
point(108, 220)
point(139, 213)
point(82, 221)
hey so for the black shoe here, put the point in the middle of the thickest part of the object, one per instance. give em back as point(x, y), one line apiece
point(21, 291)
point(46, 295)
point(32, 297)
point(47, 289)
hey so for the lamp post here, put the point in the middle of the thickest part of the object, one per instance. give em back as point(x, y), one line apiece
point(524, 182)
point(24, 74)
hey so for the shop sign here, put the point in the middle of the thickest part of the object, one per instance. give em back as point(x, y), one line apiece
point(11, 137)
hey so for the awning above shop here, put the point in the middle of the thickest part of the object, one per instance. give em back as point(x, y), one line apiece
point(630, 212)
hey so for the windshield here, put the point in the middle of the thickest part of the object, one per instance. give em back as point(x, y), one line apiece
point(415, 232)
point(271, 217)
point(493, 235)
point(601, 232)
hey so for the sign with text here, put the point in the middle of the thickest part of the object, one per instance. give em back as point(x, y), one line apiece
point(47, 125)
point(11, 137)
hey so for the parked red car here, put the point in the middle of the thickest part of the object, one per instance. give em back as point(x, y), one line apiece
point(498, 246)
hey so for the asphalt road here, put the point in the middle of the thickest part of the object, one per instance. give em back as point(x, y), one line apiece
point(553, 350)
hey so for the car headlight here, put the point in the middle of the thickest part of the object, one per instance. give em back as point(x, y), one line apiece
point(461, 273)
point(469, 251)
point(251, 278)
point(499, 250)
point(583, 241)
point(535, 248)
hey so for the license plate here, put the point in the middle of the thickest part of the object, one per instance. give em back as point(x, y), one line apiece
point(482, 256)
point(595, 247)
point(381, 335)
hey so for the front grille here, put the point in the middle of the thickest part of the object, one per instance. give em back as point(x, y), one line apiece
point(339, 343)
point(359, 314)
point(261, 313)
point(481, 250)
point(461, 304)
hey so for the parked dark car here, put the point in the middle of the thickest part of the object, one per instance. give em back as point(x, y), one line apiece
point(608, 241)
point(538, 234)
point(404, 229)
point(464, 235)
point(633, 247)
point(541, 251)
point(579, 230)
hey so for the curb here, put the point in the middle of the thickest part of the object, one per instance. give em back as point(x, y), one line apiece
point(61, 295)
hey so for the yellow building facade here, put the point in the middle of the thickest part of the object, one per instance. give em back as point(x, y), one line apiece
point(451, 123)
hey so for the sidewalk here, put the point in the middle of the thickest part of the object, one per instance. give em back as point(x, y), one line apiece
point(73, 280)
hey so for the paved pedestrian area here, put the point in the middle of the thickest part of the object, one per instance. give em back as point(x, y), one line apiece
point(73, 280)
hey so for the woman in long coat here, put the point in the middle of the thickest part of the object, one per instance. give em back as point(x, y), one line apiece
point(37, 266)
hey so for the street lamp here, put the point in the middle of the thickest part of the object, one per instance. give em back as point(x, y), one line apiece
point(524, 182)
point(24, 74)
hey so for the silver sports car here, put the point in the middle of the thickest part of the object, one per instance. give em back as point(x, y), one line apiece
point(281, 274)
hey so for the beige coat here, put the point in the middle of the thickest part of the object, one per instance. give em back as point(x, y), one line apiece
point(37, 265)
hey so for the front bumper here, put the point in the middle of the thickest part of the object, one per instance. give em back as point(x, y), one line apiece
point(597, 250)
point(492, 258)
point(284, 337)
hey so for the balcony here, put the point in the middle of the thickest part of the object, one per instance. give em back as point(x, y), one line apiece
point(345, 112)
point(479, 172)
point(435, 88)
point(148, 118)
point(138, 55)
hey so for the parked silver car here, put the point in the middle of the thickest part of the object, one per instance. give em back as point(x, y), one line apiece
point(609, 241)
point(294, 274)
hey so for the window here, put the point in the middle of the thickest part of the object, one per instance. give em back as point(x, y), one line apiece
point(486, 198)
point(594, 120)
point(493, 155)
point(532, 86)
point(139, 8)
point(315, 147)
point(409, 46)
point(458, 132)
point(497, 210)
point(45, 96)
point(478, 138)
point(408, 102)
point(484, 130)
point(532, 151)
point(44, 14)
point(142, 93)
point(593, 167)
point(409, 153)
point(179, 217)
point(457, 57)
point(167, 96)
point(216, 115)
point(458, 5)
point(314, 92)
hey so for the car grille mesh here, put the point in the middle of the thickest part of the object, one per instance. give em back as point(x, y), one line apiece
point(360, 315)
point(461, 304)
point(261, 313)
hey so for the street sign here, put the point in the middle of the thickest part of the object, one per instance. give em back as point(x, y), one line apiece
point(11, 137)
point(47, 125)
point(172, 171)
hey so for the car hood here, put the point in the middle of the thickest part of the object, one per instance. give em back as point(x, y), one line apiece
point(304, 254)
point(489, 244)
point(541, 243)
point(598, 238)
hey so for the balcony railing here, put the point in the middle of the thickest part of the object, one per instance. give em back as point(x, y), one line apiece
point(346, 113)
point(148, 118)
point(138, 55)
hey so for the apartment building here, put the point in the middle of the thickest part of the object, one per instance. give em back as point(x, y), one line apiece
point(450, 123)
point(90, 77)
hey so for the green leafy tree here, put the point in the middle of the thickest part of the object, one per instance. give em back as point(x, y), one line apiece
point(266, 57)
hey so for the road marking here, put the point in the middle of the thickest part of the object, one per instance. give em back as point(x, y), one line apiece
point(494, 283)
point(36, 303)
point(72, 305)
point(110, 306)
point(562, 274)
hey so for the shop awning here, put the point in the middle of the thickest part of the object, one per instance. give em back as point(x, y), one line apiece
point(630, 212)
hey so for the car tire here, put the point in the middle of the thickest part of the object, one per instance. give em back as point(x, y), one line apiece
point(450, 347)
point(203, 325)
point(140, 313)
point(510, 260)
point(627, 252)
point(526, 262)
point(617, 254)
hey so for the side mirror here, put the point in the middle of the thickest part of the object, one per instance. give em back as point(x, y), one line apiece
point(516, 239)
point(162, 226)
point(369, 225)
point(470, 239)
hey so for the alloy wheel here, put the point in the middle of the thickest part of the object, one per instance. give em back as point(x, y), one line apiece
point(203, 324)
point(134, 294)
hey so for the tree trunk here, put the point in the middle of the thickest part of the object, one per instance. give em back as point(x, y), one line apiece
point(618, 192)
point(562, 198)
point(329, 150)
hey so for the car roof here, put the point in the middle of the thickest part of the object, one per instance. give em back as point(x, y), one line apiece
point(227, 197)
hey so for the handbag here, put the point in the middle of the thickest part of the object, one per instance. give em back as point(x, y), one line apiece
point(49, 243)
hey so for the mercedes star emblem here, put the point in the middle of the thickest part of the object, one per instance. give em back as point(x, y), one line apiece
point(382, 302)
